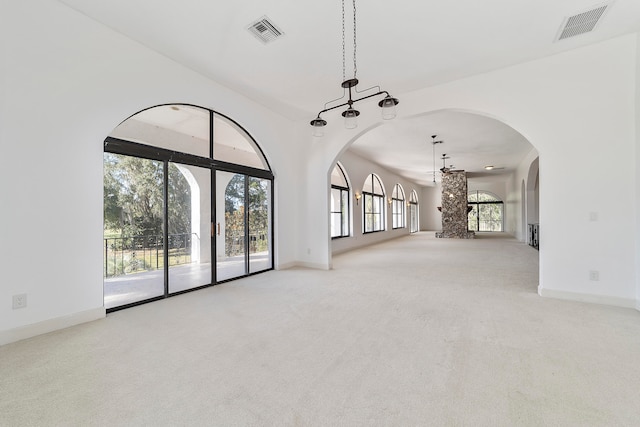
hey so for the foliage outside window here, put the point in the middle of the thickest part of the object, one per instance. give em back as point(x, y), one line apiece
point(339, 203)
point(373, 196)
point(235, 215)
point(398, 207)
point(487, 212)
point(134, 214)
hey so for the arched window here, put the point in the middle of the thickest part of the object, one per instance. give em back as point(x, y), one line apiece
point(339, 203)
point(373, 194)
point(187, 203)
point(413, 212)
point(398, 207)
point(487, 213)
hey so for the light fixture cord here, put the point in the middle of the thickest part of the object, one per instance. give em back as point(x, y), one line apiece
point(434, 159)
point(344, 62)
point(355, 45)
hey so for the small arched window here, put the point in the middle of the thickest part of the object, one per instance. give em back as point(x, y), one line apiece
point(398, 207)
point(339, 203)
point(373, 194)
point(413, 212)
point(487, 213)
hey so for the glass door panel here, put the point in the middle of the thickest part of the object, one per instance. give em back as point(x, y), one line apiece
point(231, 144)
point(490, 217)
point(472, 217)
point(133, 229)
point(183, 128)
point(259, 224)
point(414, 217)
point(189, 221)
point(230, 226)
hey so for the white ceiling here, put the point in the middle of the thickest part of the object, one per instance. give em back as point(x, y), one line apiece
point(470, 141)
point(403, 45)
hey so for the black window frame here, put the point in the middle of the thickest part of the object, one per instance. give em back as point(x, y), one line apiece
point(376, 199)
point(398, 204)
point(413, 203)
point(345, 208)
point(149, 152)
point(476, 209)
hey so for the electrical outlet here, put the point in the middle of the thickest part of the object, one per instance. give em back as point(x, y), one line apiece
point(19, 301)
point(594, 275)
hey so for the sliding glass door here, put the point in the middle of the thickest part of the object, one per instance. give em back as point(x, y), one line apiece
point(187, 204)
point(243, 225)
point(259, 225)
point(189, 225)
point(133, 234)
point(230, 226)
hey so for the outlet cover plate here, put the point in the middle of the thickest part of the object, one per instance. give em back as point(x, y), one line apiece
point(19, 301)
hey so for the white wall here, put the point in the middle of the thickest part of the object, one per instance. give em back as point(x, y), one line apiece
point(430, 216)
point(566, 105)
point(515, 224)
point(637, 171)
point(357, 169)
point(66, 82)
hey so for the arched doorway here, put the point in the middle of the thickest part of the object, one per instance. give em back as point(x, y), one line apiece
point(165, 213)
point(533, 197)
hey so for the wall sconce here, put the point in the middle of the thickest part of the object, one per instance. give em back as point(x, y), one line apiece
point(390, 202)
point(358, 196)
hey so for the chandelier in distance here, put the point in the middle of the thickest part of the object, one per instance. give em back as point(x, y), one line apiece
point(387, 104)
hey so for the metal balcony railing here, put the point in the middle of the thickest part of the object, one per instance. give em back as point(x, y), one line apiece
point(126, 255)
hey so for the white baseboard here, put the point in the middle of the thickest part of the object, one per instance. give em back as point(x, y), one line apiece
point(314, 265)
point(286, 265)
point(28, 331)
point(590, 298)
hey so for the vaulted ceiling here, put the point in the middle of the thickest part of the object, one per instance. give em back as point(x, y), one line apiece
point(402, 45)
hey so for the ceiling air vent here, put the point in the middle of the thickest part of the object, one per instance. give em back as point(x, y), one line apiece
point(582, 22)
point(265, 30)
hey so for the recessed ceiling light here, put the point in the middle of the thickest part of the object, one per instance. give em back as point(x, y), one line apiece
point(488, 167)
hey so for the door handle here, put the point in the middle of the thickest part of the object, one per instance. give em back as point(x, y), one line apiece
point(215, 229)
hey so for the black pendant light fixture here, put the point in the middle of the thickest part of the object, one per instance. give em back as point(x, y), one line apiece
point(387, 104)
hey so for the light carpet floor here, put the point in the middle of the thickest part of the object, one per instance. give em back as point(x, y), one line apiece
point(417, 331)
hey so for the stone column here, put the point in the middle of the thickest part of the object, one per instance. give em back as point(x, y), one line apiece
point(454, 206)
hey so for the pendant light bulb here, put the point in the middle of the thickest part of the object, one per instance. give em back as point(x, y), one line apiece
point(388, 106)
point(318, 125)
point(350, 118)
